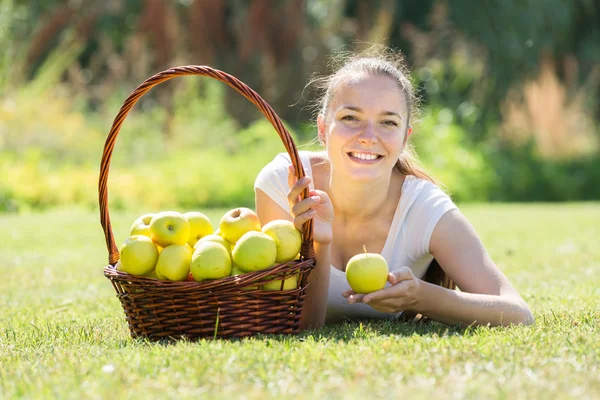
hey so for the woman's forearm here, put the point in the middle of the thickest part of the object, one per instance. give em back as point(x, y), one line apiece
point(453, 307)
point(315, 304)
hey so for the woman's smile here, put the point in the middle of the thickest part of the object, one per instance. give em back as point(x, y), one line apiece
point(363, 157)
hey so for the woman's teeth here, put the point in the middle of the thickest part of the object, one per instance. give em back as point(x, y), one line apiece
point(364, 156)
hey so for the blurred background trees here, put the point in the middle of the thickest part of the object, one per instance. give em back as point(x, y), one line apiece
point(510, 88)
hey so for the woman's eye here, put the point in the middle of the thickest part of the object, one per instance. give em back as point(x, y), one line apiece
point(389, 122)
point(350, 118)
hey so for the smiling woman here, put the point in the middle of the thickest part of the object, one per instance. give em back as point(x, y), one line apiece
point(365, 191)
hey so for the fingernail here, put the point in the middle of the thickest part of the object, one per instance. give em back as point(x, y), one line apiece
point(315, 198)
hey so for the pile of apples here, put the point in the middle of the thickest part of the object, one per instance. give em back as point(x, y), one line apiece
point(173, 246)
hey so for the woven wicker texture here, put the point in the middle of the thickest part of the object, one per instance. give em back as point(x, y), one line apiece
point(228, 307)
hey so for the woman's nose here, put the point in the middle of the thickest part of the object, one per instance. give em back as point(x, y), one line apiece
point(368, 135)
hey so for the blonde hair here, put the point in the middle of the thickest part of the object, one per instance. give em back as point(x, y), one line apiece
point(377, 60)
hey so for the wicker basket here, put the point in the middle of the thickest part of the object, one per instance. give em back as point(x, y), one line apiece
point(228, 307)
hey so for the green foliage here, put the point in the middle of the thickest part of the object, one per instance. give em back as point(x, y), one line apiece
point(12, 20)
point(146, 172)
point(50, 149)
point(516, 34)
point(496, 171)
point(54, 161)
point(523, 175)
point(194, 154)
point(64, 333)
point(444, 150)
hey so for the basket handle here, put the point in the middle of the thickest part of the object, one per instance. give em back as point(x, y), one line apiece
point(307, 250)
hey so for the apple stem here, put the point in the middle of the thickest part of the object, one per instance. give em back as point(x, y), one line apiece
point(365, 248)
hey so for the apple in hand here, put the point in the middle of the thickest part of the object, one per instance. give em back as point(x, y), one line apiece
point(141, 226)
point(210, 261)
point(287, 238)
point(238, 221)
point(288, 284)
point(200, 226)
point(367, 272)
point(138, 255)
point(254, 251)
point(169, 227)
point(174, 262)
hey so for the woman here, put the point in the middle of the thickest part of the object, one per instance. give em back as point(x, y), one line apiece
point(365, 191)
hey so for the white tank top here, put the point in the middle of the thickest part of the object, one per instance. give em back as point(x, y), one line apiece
point(421, 206)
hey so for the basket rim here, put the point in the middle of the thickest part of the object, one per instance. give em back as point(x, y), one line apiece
point(307, 249)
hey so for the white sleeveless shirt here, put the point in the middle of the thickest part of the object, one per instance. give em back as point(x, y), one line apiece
point(421, 206)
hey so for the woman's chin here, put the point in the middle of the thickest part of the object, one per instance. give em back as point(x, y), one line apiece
point(366, 172)
point(364, 176)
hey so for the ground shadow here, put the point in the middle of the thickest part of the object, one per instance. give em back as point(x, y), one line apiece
point(344, 331)
point(363, 329)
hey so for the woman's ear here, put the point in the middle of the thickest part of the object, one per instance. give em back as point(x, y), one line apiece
point(321, 128)
point(408, 133)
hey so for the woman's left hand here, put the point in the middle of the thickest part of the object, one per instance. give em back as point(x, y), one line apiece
point(402, 295)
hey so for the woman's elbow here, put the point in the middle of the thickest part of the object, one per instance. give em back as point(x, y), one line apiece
point(523, 315)
point(528, 318)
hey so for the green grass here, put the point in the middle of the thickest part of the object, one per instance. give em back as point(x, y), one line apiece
point(63, 333)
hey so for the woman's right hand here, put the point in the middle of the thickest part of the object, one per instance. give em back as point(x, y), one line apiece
point(317, 207)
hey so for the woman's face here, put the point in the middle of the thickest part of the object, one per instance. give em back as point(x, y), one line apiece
point(365, 126)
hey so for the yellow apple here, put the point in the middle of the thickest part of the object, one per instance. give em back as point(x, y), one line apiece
point(367, 272)
point(216, 239)
point(200, 226)
point(138, 255)
point(152, 274)
point(210, 261)
point(174, 262)
point(169, 227)
point(288, 284)
point(238, 221)
point(254, 251)
point(235, 271)
point(158, 275)
point(287, 238)
point(141, 226)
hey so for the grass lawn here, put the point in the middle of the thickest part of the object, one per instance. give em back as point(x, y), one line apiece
point(63, 333)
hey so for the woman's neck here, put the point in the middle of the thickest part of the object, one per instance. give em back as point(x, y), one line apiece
point(365, 201)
